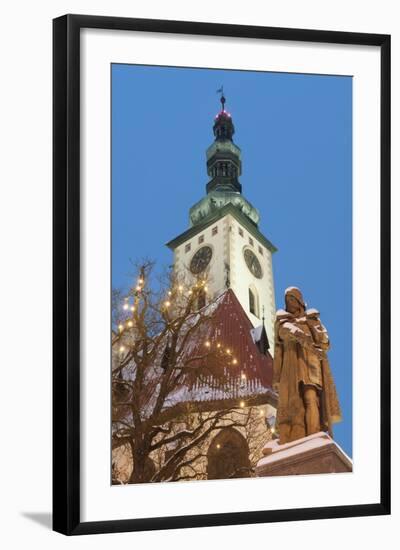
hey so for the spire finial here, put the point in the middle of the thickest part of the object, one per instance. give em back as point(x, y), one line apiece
point(222, 98)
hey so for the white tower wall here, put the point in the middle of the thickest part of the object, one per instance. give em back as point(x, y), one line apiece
point(228, 238)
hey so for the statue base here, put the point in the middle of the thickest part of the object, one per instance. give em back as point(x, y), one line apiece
point(314, 454)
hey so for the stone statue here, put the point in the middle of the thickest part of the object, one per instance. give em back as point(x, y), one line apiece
point(308, 401)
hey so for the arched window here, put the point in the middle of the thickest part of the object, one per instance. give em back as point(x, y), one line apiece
point(228, 455)
point(253, 302)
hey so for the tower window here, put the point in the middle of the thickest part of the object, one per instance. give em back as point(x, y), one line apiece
point(240, 231)
point(251, 241)
point(253, 302)
point(201, 239)
point(214, 230)
point(187, 247)
point(260, 250)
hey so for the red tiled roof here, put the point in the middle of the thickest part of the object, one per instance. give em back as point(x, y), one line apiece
point(245, 373)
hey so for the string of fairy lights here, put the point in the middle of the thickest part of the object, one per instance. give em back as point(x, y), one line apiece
point(167, 303)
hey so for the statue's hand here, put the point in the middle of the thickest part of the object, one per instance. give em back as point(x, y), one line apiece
point(317, 351)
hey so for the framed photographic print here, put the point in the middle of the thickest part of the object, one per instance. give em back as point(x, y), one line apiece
point(221, 274)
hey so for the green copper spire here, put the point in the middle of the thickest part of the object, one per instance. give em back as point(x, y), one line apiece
point(224, 192)
point(224, 166)
point(223, 156)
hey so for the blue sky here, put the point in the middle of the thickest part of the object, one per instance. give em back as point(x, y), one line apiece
point(295, 133)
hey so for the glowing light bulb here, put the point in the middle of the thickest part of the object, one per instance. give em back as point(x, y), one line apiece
point(218, 446)
point(180, 288)
point(234, 362)
point(242, 404)
point(121, 327)
point(138, 288)
point(228, 351)
point(126, 306)
point(218, 345)
point(122, 349)
point(208, 344)
point(140, 281)
point(169, 293)
point(130, 324)
point(243, 376)
point(132, 308)
point(167, 303)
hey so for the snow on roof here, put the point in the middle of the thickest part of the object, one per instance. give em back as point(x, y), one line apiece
point(256, 333)
point(250, 375)
point(245, 373)
point(207, 393)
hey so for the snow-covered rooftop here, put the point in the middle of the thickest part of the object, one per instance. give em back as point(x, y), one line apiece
point(245, 373)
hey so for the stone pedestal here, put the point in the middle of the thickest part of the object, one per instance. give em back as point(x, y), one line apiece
point(315, 454)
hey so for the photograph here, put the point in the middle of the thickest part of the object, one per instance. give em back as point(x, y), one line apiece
point(231, 274)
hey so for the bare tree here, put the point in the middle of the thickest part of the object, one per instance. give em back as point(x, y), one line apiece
point(164, 343)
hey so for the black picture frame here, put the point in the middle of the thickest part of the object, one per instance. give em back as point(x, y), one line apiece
point(66, 272)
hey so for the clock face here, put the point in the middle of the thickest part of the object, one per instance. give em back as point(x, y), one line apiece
point(252, 263)
point(201, 259)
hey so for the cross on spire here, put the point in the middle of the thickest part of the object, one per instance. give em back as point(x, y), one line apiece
point(222, 98)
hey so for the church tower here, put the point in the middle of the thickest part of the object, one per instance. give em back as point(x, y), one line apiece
point(224, 240)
